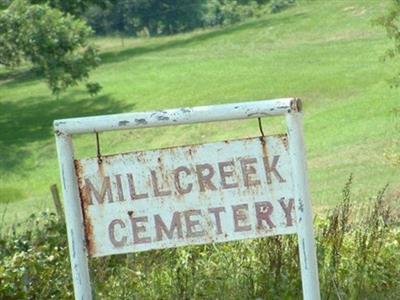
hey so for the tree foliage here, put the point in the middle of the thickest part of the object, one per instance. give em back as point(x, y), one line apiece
point(56, 44)
point(74, 7)
point(160, 17)
point(153, 16)
point(391, 22)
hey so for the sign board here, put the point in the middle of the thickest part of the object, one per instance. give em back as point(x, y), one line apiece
point(187, 195)
point(217, 192)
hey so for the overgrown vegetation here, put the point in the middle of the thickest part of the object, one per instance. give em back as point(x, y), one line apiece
point(357, 254)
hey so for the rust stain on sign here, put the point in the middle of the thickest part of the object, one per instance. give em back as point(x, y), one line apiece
point(83, 195)
point(195, 194)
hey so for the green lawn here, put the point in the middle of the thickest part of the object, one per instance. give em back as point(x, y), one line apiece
point(325, 52)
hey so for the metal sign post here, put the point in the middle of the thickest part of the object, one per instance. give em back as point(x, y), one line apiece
point(305, 233)
point(196, 194)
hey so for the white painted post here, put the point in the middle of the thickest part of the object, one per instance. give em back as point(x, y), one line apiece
point(307, 249)
point(73, 214)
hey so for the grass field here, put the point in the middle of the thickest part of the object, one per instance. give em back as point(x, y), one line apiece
point(325, 52)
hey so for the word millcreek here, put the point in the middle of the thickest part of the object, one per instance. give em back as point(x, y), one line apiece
point(231, 174)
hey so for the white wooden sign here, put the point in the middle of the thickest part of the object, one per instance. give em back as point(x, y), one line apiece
point(188, 195)
point(218, 192)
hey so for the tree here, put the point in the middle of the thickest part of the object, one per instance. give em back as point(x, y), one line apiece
point(56, 44)
point(391, 23)
point(74, 7)
point(154, 16)
point(163, 17)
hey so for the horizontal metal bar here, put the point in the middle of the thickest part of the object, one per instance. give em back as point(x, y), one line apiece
point(199, 114)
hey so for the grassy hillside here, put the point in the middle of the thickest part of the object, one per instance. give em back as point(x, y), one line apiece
point(325, 52)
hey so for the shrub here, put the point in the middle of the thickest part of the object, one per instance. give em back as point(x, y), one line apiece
point(34, 262)
point(279, 5)
point(220, 12)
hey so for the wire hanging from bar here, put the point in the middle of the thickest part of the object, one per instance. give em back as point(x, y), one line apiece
point(99, 160)
point(260, 127)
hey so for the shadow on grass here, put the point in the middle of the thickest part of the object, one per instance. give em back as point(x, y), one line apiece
point(31, 119)
point(14, 77)
point(113, 57)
